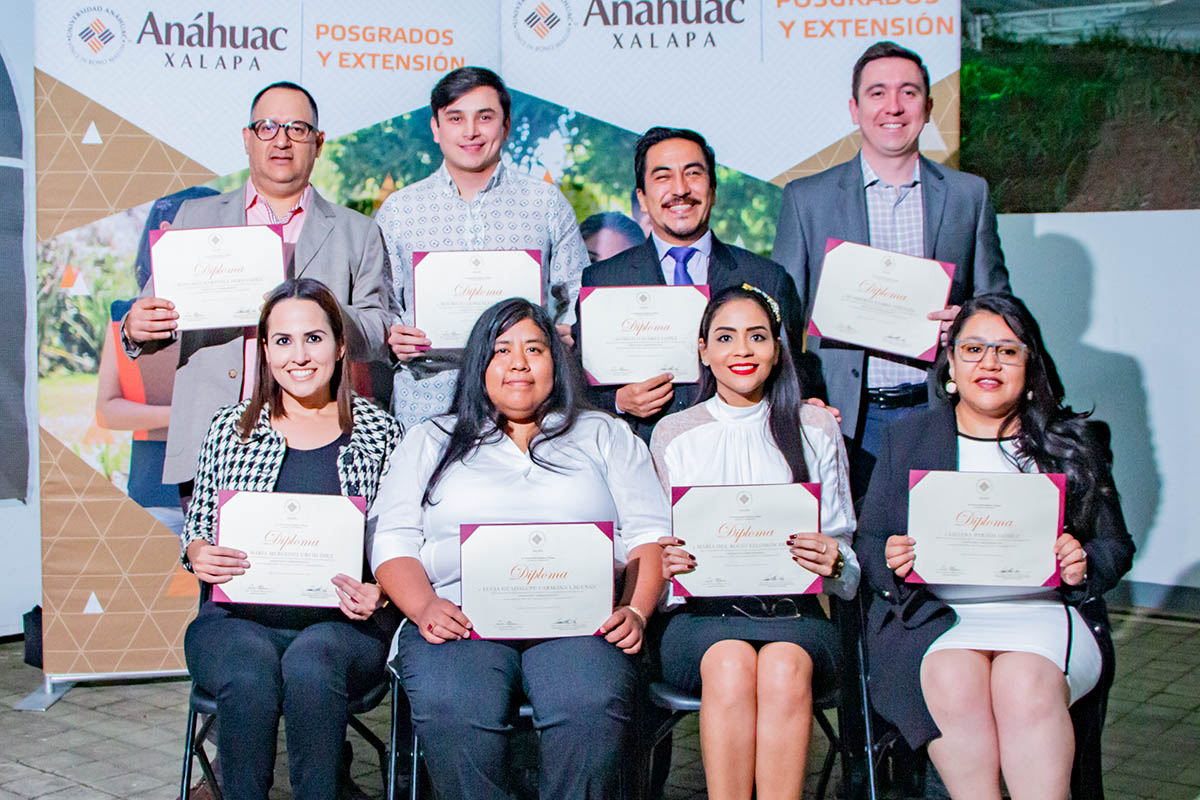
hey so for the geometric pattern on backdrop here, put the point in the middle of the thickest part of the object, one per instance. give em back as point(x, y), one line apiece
point(944, 119)
point(92, 163)
point(114, 595)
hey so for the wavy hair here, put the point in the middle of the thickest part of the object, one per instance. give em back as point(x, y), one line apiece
point(1056, 437)
point(782, 389)
point(477, 421)
point(267, 391)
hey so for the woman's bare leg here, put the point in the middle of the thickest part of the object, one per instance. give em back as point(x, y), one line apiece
point(1037, 743)
point(956, 686)
point(728, 713)
point(785, 673)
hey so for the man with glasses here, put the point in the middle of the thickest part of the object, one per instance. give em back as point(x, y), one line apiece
point(337, 246)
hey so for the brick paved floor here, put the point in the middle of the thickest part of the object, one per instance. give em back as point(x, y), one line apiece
point(125, 740)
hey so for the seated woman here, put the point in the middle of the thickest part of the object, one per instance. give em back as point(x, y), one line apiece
point(986, 675)
point(301, 431)
point(519, 448)
point(755, 661)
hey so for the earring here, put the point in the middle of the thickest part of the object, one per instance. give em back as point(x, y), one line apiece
point(951, 386)
point(1029, 395)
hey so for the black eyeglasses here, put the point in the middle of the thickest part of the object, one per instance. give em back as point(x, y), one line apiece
point(297, 130)
point(767, 607)
point(972, 350)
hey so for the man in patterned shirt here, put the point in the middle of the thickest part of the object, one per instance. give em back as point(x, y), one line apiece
point(472, 202)
point(891, 197)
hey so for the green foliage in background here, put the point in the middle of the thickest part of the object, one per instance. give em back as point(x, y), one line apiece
point(1033, 113)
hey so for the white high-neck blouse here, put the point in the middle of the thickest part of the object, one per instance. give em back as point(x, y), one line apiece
point(714, 443)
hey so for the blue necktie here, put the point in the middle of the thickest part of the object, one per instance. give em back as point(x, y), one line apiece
point(681, 256)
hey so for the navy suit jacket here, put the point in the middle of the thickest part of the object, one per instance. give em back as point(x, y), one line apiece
point(960, 227)
point(727, 266)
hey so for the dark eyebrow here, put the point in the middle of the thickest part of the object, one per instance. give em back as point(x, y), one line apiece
point(688, 165)
point(751, 328)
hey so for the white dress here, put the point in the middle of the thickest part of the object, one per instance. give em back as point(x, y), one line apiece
point(1033, 620)
point(716, 444)
point(604, 473)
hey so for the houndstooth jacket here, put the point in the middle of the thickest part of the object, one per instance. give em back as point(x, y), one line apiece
point(228, 462)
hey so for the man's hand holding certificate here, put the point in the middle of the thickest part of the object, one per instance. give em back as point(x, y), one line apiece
point(537, 581)
point(880, 300)
point(985, 529)
point(631, 333)
point(216, 277)
point(739, 537)
point(295, 543)
point(452, 288)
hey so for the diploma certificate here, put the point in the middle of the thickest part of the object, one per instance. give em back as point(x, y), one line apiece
point(985, 529)
point(739, 534)
point(879, 299)
point(631, 333)
point(452, 288)
point(537, 581)
point(295, 544)
point(217, 277)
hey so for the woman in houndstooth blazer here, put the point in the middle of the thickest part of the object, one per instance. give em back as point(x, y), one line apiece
point(302, 430)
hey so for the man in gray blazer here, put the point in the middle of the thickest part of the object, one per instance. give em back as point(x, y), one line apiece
point(891, 197)
point(337, 246)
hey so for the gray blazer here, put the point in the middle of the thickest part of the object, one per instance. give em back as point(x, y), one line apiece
point(337, 246)
point(960, 227)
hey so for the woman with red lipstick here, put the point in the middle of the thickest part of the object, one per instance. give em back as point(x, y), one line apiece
point(755, 660)
point(302, 430)
point(997, 682)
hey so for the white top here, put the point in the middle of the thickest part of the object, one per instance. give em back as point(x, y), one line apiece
point(605, 474)
point(987, 455)
point(714, 444)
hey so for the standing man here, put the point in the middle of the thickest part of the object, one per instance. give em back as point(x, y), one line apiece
point(891, 197)
point(675, 173)
point(472, 202)
point(341, 248)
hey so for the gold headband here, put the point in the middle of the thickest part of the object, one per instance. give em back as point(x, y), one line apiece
point(770, 301)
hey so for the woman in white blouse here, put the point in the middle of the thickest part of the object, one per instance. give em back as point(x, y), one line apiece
point(755, 660)
point(518, 448)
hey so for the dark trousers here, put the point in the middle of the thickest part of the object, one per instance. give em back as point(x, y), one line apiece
point(864, 450)
point(465, 694)
point(257, 672)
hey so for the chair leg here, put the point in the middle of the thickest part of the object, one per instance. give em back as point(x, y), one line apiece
point(389, 777)
point(375, 742)
point(202, 756)
point(835, 747)
point(414, 774)
point(185, 787)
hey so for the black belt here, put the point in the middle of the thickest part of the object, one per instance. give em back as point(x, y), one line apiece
point(905, 395)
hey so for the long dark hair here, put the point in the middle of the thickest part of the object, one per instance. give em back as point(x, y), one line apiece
point(1056, 437)
point(267, 392)
point(782, 389)
point(477, 421)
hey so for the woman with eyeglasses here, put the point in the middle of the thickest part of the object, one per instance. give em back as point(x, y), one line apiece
point(519, 446)
point(755, 661)
point(992, 678)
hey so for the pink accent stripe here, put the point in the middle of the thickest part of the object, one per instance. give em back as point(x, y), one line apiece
point(815, 587)
point(584, 292)
point(677, 587)
point(419, 256)
point(606, 528)
point(677, 493)
point(812, 329)
point(913, 577)
point(832, 243)
point(949, 268)
point(590, 379)
point(536, 255)
point(464, 532)
point(915, 476)
point(703, 289)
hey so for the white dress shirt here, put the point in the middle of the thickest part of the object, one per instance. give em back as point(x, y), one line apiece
point(604, 474)
point(716, 444)
point(697, 265)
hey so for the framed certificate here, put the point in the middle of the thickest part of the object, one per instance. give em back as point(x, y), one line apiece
point(452, 288)
point(878, 299)
point(739, 534)
point(537, 581)
point(631, 333)
point(217, 277)
point(295, 544)
point(984, 528)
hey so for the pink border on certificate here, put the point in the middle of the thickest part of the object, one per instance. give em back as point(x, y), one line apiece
point(158, 233)
point(419, 255)
point(225, 495)
point(585, 291)
point(677, 493)
point(466, 529)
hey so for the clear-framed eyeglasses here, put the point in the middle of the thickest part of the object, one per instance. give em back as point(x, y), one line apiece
point(767, 607)
point(972, 350)
point(297, 130)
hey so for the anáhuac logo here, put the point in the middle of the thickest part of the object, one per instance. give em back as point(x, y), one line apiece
point(542, 24)
point(209, 43)
point(664, 24)
point(96, 34)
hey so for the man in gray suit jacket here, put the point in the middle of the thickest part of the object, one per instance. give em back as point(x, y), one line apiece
point(891, 197)
point(341, 248)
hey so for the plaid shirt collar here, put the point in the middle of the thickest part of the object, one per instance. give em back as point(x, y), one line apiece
point(870, 177)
